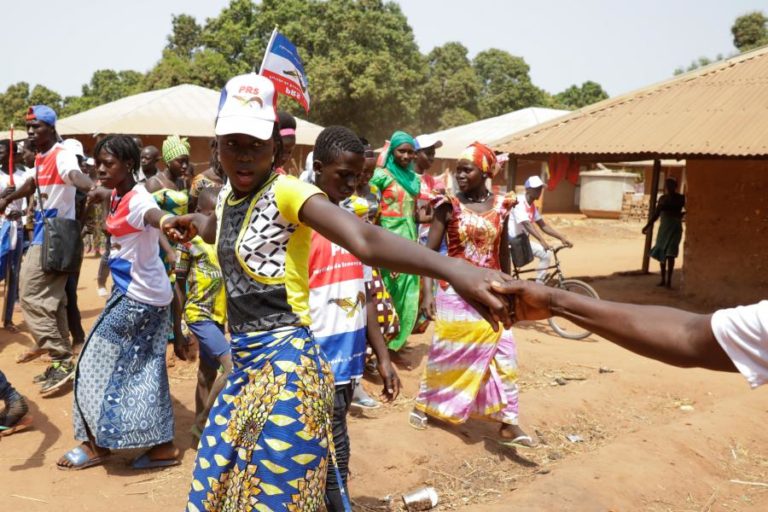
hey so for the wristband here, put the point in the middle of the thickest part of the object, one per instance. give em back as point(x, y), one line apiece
point(163, 219)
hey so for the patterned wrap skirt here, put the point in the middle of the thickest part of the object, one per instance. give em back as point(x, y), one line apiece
point(471, 370)
point(267, 442)
point(121, 386)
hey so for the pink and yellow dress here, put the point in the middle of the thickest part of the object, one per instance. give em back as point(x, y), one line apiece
point(471, 370)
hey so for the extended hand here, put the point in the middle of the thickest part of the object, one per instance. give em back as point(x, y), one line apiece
point(391, 380)
point(530, 301)
point(474, 284)
point(180, 229)
point(427, 307)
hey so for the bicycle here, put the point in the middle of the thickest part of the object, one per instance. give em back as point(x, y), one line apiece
point(556, 278)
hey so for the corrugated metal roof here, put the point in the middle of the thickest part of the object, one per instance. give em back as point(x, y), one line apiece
point(186, 110)
point(720, 110)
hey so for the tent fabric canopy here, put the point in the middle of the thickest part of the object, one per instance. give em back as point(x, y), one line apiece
point(488, 131)
point(186, 110)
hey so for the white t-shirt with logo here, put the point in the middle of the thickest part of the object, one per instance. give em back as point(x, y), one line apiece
point(523, 212)
point(52, 170)
point(134, 257)
point(20, 177)
point(743, 334)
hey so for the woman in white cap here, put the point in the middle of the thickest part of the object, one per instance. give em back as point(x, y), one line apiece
point(267, 444)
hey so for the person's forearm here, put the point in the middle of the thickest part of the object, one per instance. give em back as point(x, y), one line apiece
point(374, 336)
point(378, 247)
point(531, 229)
point(669, 335)
point(26, 190)
point(81, 181)
point(546, 228)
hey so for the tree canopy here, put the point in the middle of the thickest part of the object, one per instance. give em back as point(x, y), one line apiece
point(365, 68)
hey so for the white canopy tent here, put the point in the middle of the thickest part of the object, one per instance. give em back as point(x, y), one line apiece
point(186, 110)
point(490, 130)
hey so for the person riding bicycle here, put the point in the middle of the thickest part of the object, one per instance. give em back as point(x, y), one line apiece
point(526, 216)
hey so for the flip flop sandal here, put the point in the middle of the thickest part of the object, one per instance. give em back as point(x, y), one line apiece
point(23, 424)
point(78, 457)
point(144, 462)
point(29, 355)
point(517, 442)
point(418, 421)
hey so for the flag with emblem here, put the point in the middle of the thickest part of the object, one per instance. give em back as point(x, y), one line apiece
point(283, 66)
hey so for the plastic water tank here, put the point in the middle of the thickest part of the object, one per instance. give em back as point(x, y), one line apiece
point(602, 192)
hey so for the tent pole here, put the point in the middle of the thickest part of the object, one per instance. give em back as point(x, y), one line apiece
point(651, 210)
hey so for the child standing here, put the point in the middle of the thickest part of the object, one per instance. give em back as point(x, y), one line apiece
point(200, 286)
point(471, 369)
point(337, 300)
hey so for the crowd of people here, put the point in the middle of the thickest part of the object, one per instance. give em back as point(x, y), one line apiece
point(292, 288)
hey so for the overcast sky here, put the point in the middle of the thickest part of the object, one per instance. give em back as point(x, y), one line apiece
point(623, 45)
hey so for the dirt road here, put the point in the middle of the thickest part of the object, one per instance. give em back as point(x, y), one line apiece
point(653, 438)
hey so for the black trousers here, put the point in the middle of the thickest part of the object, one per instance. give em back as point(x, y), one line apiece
point(73, 312)
point(341, 401)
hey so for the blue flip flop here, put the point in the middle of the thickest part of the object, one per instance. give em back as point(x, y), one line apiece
point(80, 460)
point(144, 462)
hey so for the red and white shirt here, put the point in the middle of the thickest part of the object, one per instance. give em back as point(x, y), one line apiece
point(52, 170)
point(337, 307)
point(523, 212)
point(134, 258)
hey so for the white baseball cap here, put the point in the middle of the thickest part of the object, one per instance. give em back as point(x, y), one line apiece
point(534, 182)
point(74, 146)
point(247, 105)
point(427, 141)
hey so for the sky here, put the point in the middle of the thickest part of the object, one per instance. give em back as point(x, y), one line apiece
point(623, 45)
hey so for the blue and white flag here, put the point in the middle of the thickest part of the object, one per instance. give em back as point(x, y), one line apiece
point(283, 66)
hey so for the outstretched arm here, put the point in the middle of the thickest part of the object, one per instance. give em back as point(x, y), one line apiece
point(670, 335)
point(378, 247)
point(553, 232)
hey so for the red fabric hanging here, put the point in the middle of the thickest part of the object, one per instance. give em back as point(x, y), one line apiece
point(562, 167)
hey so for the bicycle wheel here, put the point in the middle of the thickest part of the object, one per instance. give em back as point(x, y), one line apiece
point(566, 328)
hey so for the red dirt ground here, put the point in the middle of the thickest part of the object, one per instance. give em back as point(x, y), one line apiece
point(640, 450)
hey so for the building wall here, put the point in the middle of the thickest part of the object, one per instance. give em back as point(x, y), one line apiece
point(726, 247)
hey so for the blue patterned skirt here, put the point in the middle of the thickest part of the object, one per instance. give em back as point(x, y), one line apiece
point(121, 385)
point(267, 441)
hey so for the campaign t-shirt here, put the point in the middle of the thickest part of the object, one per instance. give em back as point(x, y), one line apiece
point(523, 212)
point(337, 307)
point(134, 259)
point(52, 173)
point(743, 334)
point(20, 177)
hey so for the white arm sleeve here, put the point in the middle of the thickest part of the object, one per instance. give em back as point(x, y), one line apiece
point(743, 334)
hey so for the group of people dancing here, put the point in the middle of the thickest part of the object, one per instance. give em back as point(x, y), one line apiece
point(303, 276)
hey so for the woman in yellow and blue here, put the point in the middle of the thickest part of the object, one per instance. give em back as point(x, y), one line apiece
point(268, 442)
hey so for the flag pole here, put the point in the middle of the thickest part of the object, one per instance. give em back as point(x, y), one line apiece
point(269, 48)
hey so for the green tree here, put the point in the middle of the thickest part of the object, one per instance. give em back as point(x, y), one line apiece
point(750, 31)
point(13, 105)
point(15, 101)
point(505, 83)
point(185, 35)
point(450, 94)
point(106, 85)
point(580, 96)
